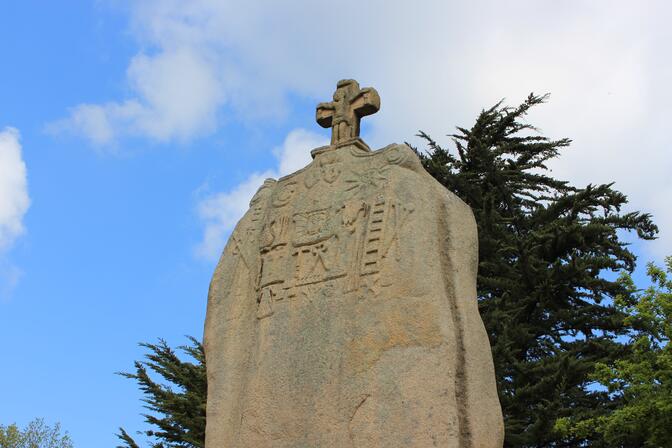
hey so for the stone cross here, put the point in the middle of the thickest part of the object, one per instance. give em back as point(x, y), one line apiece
point(343, 114)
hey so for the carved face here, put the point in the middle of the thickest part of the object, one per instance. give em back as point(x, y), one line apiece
point(330, 169)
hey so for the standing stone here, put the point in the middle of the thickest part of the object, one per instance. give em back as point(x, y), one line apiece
point(343, 310)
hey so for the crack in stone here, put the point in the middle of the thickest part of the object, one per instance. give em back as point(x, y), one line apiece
point(352, 417)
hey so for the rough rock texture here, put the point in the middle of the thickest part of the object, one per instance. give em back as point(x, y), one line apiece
point(343, 313)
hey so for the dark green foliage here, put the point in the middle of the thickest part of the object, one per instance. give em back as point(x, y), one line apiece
point(178, 403)
point(545, 247)
point(127, 439)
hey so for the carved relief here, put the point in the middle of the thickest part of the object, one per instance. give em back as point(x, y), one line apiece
point(350, 214)
point(274, 231)
point(354, 238)
point(315, 291)
point(258, 201)
point(316, 263)
point(342, 245)
point(244, 236)
point(312, 227)
point(367, 181)
point(374, 237)
point(398, 216)
point(329, 170)
point(238, 248)
point(273, 266)
point(283, 194)
point(369, 287)
point(265, 308)
point(396, 155)
point(311, 178)
point(273, 249)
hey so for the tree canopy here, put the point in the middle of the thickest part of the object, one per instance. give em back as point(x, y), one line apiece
point(177, 401)
point(36, 434)
point(641, 380)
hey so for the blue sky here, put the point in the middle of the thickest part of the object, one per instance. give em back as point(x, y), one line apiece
point(132, 135)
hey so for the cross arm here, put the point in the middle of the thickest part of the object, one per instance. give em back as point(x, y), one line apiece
point(366, 102)
point(324, 114)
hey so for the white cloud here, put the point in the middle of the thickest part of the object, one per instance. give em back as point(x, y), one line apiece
point(435, 66)
point(14, 199)
point(294, 153)
point(221, 211)
point(14, 202)
point(177, 95)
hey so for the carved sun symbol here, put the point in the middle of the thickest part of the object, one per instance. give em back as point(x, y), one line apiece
point(366, 181)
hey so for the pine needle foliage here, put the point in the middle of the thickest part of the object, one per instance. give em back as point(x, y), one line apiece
point(177, 403)
point(544, 247)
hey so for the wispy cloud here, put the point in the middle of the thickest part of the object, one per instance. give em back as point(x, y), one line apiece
point(204, 61)
point(176, 96)
point(14, 203)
